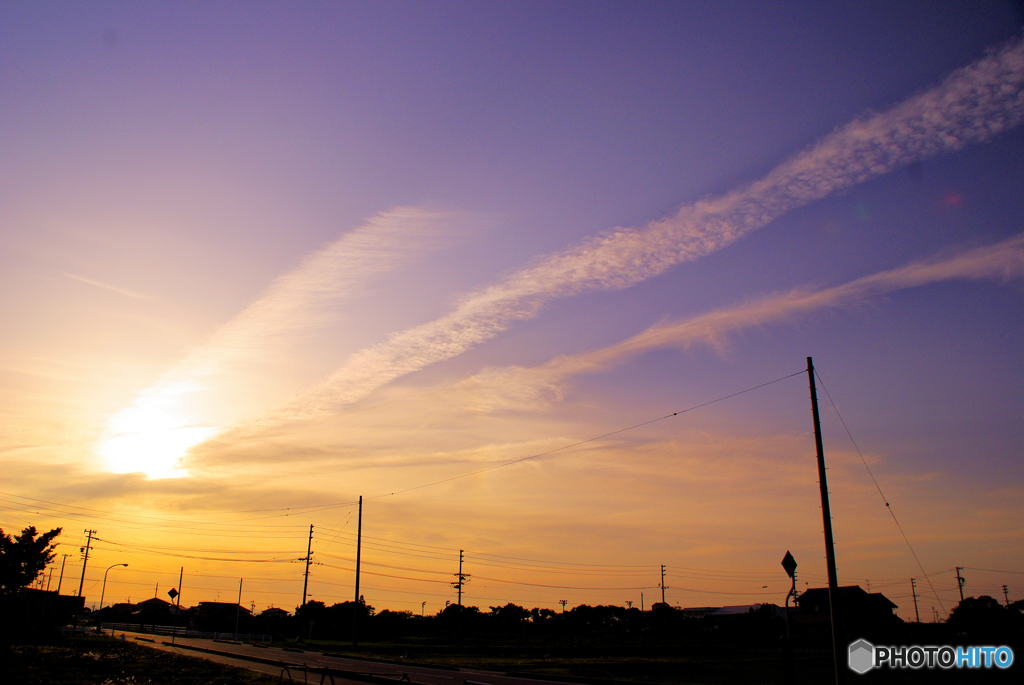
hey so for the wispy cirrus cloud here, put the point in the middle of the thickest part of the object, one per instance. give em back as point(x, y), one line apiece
point(156, 429)
point(973, 104)
point(106, 286)
point(1001, 261)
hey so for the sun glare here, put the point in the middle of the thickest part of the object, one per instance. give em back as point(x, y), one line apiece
point(146, 439)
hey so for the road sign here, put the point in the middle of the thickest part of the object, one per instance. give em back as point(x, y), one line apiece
point(789, 563)
point(172, 593)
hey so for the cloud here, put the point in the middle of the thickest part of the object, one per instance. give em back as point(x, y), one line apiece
point(158, 424)
point(306, 297)
point(122, 291)
point(972, 105)
point(1003, 260)
point(518, 388)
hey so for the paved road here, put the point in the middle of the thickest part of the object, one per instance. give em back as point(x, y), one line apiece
point(345, 670)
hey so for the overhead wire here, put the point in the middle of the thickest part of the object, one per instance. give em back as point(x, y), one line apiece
point(520, 460)
point(879, 488)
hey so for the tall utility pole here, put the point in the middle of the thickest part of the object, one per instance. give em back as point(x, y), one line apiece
point(61, 579)
point(309, 548)
point(238, 609)
point(826, 516)
point(563, 602)
point(960, 581)
point(88, 546)
point(177, 605)
point(913, 591)
point(662, 586)
point(359, 551)
point(463, 578)
point(1006, 596)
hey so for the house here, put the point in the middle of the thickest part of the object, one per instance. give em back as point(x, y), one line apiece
point(274, 613)
point(218, 616)
point(853, 602)
point(864, 614)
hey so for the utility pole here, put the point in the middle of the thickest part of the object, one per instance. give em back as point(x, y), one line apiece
point(359, 551)
point(826, 516)
point(177, 605)
point(61, 579)
point(305, 584)
point(50, 577)
point(1006, 595)
point(460, 578)
point(960, 582)
point(88, 546)
point(662, 586)
point(238, 609)
point(913, 591)
point(563, 602)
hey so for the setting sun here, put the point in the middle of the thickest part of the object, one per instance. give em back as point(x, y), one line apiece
point(146, 439)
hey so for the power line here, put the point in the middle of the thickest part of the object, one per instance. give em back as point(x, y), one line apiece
point(880, 493)
point(588, 440)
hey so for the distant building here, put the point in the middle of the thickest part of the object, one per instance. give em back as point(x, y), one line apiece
point(865, 614)
point(854, 603)
point(219, 616)
point(274, 612)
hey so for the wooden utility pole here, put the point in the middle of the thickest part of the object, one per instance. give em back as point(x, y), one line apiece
point(309, 549)
point(826, 516)
point(913, 591)
point(88, 545)
point(177, 606)
point(960, 582)
point(61, 579)
point(238, 609)
point(359, 551)
point(460, 577)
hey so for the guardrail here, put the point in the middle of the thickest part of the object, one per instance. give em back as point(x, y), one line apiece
point(181, 631)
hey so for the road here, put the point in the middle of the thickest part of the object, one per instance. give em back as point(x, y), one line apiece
point(309, 666)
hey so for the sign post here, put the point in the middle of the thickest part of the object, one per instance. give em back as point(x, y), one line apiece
point(789, 564)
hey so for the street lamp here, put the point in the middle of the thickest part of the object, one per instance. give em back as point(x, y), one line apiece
point(99, 621)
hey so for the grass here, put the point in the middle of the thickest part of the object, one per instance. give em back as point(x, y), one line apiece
point(95, 660)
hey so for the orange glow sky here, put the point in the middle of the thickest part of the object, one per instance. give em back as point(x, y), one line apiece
point(260, 260)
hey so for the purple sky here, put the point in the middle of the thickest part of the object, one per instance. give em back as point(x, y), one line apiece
point(293, 254)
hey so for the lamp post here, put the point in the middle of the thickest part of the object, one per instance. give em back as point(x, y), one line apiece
point(99, 621)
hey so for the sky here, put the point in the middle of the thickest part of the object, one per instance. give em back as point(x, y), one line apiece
point(536, 280)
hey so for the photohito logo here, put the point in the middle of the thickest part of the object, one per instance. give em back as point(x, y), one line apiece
point(863, 656)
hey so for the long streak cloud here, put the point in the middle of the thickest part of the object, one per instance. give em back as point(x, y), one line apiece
point(970, 106)
point(1003, 261)
point(157, 422)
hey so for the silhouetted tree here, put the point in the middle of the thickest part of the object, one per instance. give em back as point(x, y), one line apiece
point(984, 618)
point(23, 558)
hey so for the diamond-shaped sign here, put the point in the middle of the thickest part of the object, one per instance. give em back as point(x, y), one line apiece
point(172, 593)
point(789, 563)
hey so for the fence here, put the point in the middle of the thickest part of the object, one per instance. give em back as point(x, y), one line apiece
point(181, 631)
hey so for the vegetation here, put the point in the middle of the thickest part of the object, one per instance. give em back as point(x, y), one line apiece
point(23, 558)
point(93, 660)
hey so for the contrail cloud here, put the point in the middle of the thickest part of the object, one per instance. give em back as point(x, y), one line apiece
point(1001, 261)
point(160, 425)
point(970, 106)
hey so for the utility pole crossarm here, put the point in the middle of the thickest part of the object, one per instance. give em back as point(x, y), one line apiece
point(309, 550)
